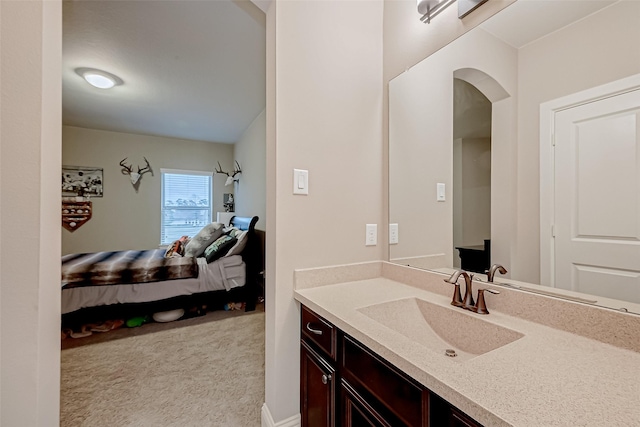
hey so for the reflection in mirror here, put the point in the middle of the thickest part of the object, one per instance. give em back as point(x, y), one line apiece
point(471, 177)
point(528, 56)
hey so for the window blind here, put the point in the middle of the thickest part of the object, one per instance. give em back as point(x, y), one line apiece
point(186, 203)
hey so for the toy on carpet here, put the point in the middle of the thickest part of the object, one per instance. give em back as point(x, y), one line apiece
point(230, 306)
point(134, 322)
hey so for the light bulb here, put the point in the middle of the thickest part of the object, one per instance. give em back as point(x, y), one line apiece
point(99, 80)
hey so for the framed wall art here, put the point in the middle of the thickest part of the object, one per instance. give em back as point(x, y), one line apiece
point(81, 181)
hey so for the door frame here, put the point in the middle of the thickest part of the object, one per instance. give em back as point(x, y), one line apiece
point(548, 111)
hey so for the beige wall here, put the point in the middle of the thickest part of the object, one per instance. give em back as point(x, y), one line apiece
point(421, 149)
point(30, 74)
point(327, 76)
point(598, 49)
point(407, 41)
point(250, 152)
point(581, 56)
point(124, 218)
point(472, 213)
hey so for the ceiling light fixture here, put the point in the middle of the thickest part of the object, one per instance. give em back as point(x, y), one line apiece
point(430, 8)
point(99, 79)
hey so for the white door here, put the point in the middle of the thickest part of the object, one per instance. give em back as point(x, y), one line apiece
point(597, 197)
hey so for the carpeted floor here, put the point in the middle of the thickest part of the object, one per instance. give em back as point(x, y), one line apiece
point(207, 374)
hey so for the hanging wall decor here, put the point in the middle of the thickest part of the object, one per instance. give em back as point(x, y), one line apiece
point(135, 176)
point(81, 181)
point(231, 176)
point(75, 214)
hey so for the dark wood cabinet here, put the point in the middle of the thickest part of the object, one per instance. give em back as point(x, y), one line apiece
point(357, 412)
point(394, 395)
point(442, 414)
point(317, 389)
point(343, 383)
point(475, 258)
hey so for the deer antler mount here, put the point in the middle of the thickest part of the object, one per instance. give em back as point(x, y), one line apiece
point(231, 177)
point(135, 176)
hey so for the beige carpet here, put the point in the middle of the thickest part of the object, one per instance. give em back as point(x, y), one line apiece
point(210, 374)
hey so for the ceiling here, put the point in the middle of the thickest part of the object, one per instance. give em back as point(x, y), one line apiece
point(528, 20)
point(189, 69)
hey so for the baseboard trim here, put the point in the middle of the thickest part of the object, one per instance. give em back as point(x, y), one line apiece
point(267, 419)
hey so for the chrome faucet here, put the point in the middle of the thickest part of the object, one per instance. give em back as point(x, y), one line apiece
point(467, 303)
point(492, 271)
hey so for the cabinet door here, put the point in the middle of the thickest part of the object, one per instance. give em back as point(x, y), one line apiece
point(356, 412)
point(443, 414)
point(317, 391)
point(458, 419)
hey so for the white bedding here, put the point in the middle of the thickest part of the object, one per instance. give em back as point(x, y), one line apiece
point(224, 273)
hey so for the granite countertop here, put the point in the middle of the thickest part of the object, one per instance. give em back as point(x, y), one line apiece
point(548, 377)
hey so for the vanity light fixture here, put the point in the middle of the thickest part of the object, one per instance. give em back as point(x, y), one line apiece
point(100, 79)
point(431, 8)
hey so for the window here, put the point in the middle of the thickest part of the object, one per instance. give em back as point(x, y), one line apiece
point(186, 203)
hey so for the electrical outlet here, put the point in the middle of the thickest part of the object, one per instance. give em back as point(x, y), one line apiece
point(393, 234)
point(372, 235)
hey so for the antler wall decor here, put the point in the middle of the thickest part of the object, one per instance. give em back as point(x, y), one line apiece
point(135, 176)
point(231, 178)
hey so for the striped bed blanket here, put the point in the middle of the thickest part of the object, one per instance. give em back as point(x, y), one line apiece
point(122, 267)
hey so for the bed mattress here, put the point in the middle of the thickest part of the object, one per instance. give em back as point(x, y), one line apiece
point(223, 274)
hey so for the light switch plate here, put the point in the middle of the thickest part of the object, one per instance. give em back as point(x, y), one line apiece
point(372, 235)
point(440, 192)
point(393, 234)
point(300, 181)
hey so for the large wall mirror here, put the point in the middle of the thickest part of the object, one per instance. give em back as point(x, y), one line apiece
point(474, 175)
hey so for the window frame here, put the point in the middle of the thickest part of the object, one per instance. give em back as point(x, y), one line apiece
point(164, 171)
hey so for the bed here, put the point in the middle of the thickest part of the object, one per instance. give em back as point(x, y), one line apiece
point(118, 284)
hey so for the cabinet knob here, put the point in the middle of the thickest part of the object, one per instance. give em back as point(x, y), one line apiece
point(326, 379)
point(313, 331)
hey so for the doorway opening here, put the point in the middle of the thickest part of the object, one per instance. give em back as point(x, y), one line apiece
point(471, 177)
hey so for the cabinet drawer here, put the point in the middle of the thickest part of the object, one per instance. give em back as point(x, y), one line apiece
point(367, 373)
point(319, 331)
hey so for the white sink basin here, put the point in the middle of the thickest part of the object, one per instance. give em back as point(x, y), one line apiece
point(441, 328)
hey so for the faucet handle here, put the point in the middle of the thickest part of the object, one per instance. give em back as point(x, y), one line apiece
point(481, 306)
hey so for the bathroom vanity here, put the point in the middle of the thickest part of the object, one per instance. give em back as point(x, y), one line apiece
point(374, 352)
point(344, 383)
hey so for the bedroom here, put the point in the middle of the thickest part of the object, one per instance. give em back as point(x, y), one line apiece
point(165, 116)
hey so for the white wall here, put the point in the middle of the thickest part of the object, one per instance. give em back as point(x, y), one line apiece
point(123, 218)
point(250, 151)
point(327, 91)
point(31, 34)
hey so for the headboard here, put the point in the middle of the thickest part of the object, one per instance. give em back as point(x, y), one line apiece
point(252, 256)
point(244, 222)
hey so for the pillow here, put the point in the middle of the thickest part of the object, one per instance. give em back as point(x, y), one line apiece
point(241, 242)
point(220, 247)
point(176, 249)
point(204, 238)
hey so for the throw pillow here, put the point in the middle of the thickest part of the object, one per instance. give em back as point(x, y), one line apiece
point(219, 248)
point(204, 238)
point(237, 249)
